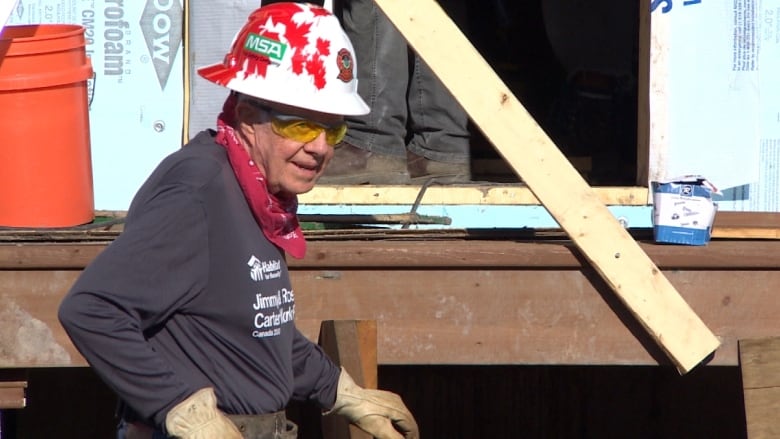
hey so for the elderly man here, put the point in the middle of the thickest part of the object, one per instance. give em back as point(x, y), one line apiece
point(189, 314)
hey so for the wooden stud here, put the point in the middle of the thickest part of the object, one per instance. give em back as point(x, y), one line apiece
point(760, 364)
point(12, 394)
point(643, 98)
point(639, 284)
point(352, 345)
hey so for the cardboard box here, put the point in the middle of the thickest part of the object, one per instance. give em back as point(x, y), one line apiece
point(683, 210)
point(136, 111)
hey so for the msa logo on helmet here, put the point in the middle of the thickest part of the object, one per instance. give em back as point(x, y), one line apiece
point(265, 46)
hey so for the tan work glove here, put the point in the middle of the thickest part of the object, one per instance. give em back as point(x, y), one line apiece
point(197, 417)
point(380, 413)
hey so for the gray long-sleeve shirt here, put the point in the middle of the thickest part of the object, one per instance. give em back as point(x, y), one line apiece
point(191, 294)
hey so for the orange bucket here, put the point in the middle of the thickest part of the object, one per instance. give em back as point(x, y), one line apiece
point(45, 157)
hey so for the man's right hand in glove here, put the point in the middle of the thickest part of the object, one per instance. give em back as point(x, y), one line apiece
point(378, 412)
point(197, 417)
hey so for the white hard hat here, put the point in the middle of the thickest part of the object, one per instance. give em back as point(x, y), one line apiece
point(295, 54)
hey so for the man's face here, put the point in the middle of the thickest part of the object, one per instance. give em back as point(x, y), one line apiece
point(291, 167)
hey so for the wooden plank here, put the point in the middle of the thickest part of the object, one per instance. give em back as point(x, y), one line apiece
point(352, 345)
point(483, 254)
point(639, 284)
point(30, 333)
point(643, 99)
point(747, 225)
point(528, 317)
point(380, 219)
point(404, 251)
point(763, 220)
point(448, 315)
point(12, 394)
point(467, 194)
point(745, 233)
point(48, 256)
point(549, 302)
point(760, 365)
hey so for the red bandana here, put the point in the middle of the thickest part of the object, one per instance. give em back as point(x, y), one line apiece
point(276, 216)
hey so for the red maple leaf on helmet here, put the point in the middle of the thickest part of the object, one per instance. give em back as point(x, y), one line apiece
point(319, 12)
point(296, 37)
point(316, 68)
point(323, 47)
point(313, 64)
point(316, 65)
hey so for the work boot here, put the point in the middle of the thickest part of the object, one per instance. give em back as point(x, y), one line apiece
point(353, 165)
point(422, 169)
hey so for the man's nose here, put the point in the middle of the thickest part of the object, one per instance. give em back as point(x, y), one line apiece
point(318, 145)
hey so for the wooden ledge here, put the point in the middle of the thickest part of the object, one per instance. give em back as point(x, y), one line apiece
point(425, 252)
point(465, 194)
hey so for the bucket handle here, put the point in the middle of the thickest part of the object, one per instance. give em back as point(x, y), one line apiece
point(91, 83)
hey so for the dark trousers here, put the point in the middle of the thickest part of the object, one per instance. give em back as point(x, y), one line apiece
point(410, 108)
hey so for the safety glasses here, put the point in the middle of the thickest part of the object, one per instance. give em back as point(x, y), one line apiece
point(300, 129)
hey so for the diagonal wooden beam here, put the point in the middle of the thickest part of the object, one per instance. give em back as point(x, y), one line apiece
point(636, 280)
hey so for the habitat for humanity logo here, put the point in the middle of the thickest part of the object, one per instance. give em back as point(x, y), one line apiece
point(264, 270)
point(161, 24)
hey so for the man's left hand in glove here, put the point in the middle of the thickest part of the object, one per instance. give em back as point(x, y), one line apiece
point(378, 412)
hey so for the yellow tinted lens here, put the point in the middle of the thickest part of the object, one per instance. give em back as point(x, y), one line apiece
point(335, 134)
point(305, 131)
point(298, 130)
